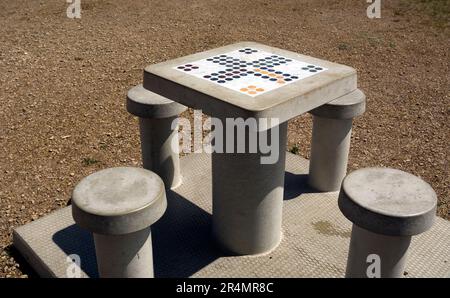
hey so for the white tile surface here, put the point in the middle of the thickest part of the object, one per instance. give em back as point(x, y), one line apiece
point(250, 71)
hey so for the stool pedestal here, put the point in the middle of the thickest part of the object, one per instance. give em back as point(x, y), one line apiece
point(128, 255)
point(159, 130)
point(157, 137)
point(390, 254)
point(330, 145)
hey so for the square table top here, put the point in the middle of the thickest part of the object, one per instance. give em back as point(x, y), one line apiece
point(249, 79)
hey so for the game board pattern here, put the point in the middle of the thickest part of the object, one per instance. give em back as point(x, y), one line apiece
point(250, 71)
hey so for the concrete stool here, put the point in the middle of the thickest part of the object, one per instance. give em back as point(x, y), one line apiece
point(118, 206)
point(156, 115)
point(332, 127)
point(387, 207)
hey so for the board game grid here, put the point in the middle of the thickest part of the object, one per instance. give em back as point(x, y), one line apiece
point(250, 71)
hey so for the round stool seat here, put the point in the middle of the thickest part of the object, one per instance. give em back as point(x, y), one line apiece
point(146, 104)
point(388, 201)
point(345, 107)
point(119, 201)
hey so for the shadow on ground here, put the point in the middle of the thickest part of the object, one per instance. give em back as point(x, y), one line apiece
point(182, 243)
point(296, 185)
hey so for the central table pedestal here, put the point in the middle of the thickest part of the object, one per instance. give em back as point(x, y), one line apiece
point(248, 196)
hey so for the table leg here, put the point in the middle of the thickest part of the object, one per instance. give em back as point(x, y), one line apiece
point(248, 199)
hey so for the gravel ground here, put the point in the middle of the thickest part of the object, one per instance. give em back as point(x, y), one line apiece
point(63, 83)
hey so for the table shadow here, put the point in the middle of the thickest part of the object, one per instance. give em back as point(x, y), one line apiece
point(182, 242)
point(296, 185)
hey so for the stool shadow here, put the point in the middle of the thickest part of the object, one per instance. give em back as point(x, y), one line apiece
point(182, 242)
point(296, 185)
point(75, 240)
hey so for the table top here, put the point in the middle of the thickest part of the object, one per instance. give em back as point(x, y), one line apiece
point(250, 80)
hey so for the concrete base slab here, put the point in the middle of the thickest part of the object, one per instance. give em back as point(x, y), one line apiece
point(315, 236)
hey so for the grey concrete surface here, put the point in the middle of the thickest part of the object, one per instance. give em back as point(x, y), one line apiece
point(330, 144)
point(156, 115)
point(330, 147)
point(390, 252)
point(124, 256)
point(347, 106)
point(157, 137)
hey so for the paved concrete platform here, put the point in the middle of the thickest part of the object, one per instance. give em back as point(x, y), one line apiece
point(315, 236)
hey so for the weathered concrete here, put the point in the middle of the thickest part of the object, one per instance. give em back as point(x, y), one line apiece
point(157, 137)
point(118, 206)
point(330, 145)
point(388, 201)
point(347, 106)
point(146, 104)
point(128, 255)
point(248, 199)
point(390, 251)
point(387, 207)
point(158, 130)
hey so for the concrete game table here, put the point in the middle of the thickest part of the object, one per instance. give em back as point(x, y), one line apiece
point(250, 81)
